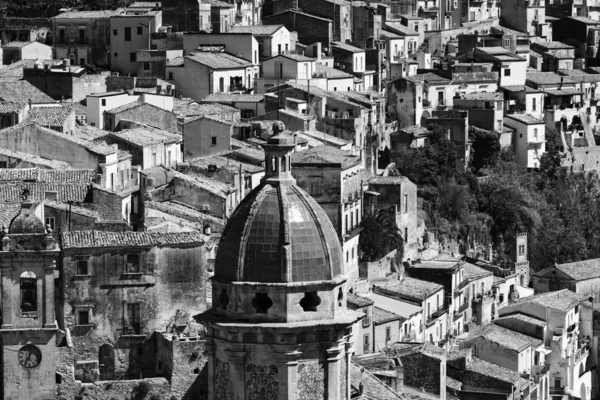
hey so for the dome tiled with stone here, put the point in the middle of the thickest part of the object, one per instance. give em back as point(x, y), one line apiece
point(278, 233)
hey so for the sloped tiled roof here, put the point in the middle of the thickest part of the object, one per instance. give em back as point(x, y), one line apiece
point(561, 300)
point(427, 77)
point(11, 107)
point(471, 272)
point(332, 73)
point(146, 136)
point(125, 107)
point(372, 388)
point(8, 211)
point(89, 14)
point(50, 116)
point(381, 316)
point(11, 192)
point(411, 287)
point(101, 239)
point(504, 337)
point(257, 30)
point(347, 47)
point(35, 160)
point(234, 98)
point(219, 60)
point(358, 301)
point(325, 155)
point(400, 29)
point(23, 91)
point(72, 208)
point(581, 270)
point(47, 175)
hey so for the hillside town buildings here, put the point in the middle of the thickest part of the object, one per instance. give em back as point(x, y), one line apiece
point(186, 190)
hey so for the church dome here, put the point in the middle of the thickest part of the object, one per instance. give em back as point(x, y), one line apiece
point(279, 233)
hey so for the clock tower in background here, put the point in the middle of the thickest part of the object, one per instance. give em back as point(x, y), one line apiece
point(28, 259)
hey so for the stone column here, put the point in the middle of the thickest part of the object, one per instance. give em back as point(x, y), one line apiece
point(237, 373)
point(287, 363)
point(334, 354)
point(7, 297)
point(48, 300)
point(210, 364)
point(348, 347)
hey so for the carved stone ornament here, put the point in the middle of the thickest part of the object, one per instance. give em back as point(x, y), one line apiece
point(261, 382)
point(222, 380)
point(311, 381)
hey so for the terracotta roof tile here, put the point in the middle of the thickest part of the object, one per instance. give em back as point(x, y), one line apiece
point(36, 160)
point(218, 60)
point(257, 30)
point(146, 136)
point(410, 287)
point(89, 14)
point(581, 270)
point(325, 155)
point(234, 98)
point(52, 117)
point(84, 176)
point(11, 107)
point(101, 239)
point(381, 316)
point(356, 301)
point(23, 91)
point(11, 192)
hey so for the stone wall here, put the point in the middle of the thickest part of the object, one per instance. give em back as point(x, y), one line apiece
point(582, 159)
point(437, 40)
point(422, 371)
point(64, 85)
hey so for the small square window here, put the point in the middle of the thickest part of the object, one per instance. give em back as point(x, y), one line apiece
point(132, 265)
point(3, 164)
point(83, 317)
point(82, 267)
point(146, 66)
point(507, 72)
point(132, 57)
point(214, 141)
point(115, 32)
point(103, 102)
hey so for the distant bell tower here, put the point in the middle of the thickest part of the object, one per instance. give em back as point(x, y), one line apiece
point(521, 259)
point(28, 332)
point(279, 328)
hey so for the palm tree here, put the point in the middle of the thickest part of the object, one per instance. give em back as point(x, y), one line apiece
point(380, 235)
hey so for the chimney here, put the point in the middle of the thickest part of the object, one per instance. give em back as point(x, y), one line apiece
point(562, 79)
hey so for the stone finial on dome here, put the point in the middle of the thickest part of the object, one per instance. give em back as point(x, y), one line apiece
point(278, 127)
point(278, 154)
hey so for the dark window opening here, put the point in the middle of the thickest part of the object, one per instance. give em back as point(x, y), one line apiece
point(224, 299)
point(115, 32)
point(340, 297)
point(58, 378)
point(103, 102)
point(310, 301)
point(261, 303)
point(84, 317)
point(28, 286)
point(82, 267)
point(139, 30)
point(134, 317)
point(213, 141)
point(196, 371)
point(132, 57)
point(133, 264)
point(128, 34)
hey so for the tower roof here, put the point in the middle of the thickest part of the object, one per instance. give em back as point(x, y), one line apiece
point(278, 233)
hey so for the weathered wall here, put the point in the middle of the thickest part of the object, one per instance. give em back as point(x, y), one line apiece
point(147, 114)
point(167, 297)
point(437, 40)
point(582, 159)
point(19, 382)
point(424, 371)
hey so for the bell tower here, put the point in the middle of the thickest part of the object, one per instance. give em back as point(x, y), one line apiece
point(28, 332)
point(279, 328)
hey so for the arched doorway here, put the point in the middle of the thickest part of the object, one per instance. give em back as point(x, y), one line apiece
point(106, 361)
point(583, 392)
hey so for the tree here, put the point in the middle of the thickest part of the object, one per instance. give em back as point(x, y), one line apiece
point(550, 162)
point(485, 148)
point(380, 236)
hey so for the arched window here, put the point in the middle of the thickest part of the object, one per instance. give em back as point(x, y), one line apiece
point(274, 164)
point(28, 286)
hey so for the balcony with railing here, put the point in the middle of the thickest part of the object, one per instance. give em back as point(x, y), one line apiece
point(433, 317)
